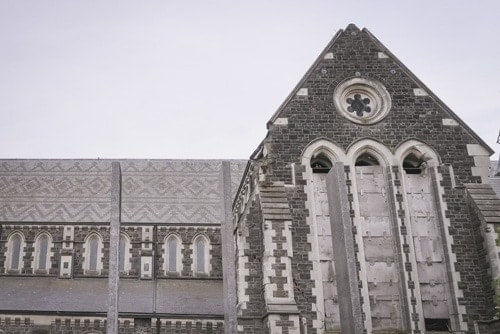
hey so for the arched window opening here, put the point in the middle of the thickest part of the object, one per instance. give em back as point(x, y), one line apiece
point(413, 164)
point(172, 254)
point(438, 325)
point(366, 159)
point(42, 245)
point(16, 242)
point(321, 164)
point(201, 255)
point(93, 250)
point(123, 253)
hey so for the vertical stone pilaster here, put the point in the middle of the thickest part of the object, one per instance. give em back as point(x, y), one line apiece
point(403, 233)
point(66, 263)
point(458, 310)
point(147, 252)
point(351, 321)
point(228, 250)
point(114, 252)
point(281, 312)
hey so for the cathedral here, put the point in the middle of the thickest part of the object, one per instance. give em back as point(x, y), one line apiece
point(369, 207)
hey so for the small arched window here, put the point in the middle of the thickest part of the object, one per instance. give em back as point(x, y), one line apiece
point(42, 252)
point(366, 159)
point(201, 255)
point(15, 252)
point(173, 254)
point(124, 255)
point(93, 252)
point(93, 249)
point(321, 164)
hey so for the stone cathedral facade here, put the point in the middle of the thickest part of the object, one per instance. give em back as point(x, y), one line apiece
point(368, 208)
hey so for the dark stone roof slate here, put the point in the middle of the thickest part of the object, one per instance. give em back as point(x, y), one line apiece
point(173, 297)
point(485, 200)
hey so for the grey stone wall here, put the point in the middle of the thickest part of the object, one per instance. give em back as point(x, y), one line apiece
point(250, 316)
point(187, 235)
point(133, 232)
point(18, 325)
point(30, 234)
point(311, 116)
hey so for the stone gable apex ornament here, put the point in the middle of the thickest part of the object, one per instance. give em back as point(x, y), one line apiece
point(363, 101)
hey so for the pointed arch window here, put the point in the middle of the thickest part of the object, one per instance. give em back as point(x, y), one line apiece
point(321, 164)
point(173, 254)
point(201, 255)
point(93, 250)
point(413, 164)
point(15, 252)
point(366, 159)
point(42, 253)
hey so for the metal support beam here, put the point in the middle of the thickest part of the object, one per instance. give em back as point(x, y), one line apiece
point(351, 321)
point(228, 250)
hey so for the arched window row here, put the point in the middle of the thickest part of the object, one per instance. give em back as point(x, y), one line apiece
point(372, 176)
point(201, 257)
point(41, 257)
point(412, 156)
point(16, 251)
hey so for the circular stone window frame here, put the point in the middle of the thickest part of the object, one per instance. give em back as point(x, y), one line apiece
point(380, 99)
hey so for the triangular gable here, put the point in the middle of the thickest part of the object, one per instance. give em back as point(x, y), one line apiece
point(353, 31)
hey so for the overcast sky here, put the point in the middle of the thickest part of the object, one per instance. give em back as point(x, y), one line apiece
point(200, 79)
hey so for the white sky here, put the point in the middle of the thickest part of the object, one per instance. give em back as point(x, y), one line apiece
point(200, 79)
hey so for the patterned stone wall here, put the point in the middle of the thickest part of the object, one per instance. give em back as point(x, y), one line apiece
point(183, 326)
point(16, 325)
point(55, 190)
point(75, 325)
point(174, 191)
point(154, 191)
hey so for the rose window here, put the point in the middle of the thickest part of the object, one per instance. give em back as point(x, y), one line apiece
point(362, 101)
point(358, 105)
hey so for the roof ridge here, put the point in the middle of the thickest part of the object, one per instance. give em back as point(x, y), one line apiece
point(306, 75)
